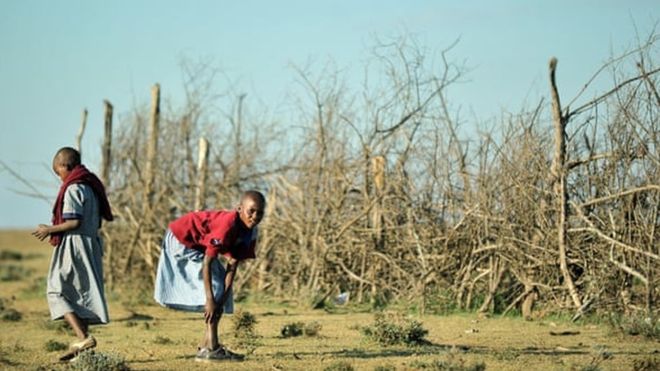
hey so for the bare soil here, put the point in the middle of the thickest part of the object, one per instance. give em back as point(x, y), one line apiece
point(153, 338)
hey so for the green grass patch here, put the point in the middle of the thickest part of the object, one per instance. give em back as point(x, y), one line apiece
point(162, 340)
point(55, 346)
point(340, 366)
point(292, 329)
point(59, 327)
point(636, 325)
point(451, 363)
point(11, 272)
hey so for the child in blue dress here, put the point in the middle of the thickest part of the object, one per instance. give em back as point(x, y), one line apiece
point(74, 289)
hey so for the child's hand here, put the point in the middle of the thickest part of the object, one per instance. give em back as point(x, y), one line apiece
point(210, 311)
point(41, 232)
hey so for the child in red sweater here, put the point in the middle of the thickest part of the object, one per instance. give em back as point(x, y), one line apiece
point(191, 278)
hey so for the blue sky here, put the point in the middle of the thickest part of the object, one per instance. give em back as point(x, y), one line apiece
point(58, 57)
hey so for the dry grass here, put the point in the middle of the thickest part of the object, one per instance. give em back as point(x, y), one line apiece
point(501, 343)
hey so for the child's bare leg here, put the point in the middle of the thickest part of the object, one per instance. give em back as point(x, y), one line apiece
point(210, 340)
point(78, 326)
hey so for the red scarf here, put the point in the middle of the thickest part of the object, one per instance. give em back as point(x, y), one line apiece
point(79, 175)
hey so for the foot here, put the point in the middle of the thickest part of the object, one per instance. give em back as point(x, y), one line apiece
point(88, 343)
point(78, 347)
point(230, 354)
point(219, 354)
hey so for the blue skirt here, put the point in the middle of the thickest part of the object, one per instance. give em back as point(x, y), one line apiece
point(179, 283)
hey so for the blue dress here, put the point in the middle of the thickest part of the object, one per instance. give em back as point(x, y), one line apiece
point(179, 283)
point(75, 276)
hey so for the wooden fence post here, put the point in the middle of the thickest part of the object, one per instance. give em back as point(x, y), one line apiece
point(378, 174)
point(202, 168)
point(559, 182)
point(106, 163)
point(149, 245)
point(106, 159)
point(152, 147)
point(81, 132)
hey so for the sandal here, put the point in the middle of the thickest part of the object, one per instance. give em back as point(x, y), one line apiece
point(77, 348)
point(219, 354)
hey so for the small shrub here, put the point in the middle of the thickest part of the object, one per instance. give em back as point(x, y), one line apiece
point(450, 364)
point(394, 329)
point(312, 328)
point(385, 368)
point(646, 364)
point(54, 346)
point(507, 354)
point(97, 361)
point(245, 334)
point(36, 289)
point(59, 327)
point(132, 295)
point(13, 272)
point(636, 325)
point(162, 340)
point(4, 357)
point(292, 329)
point(340, 366)
point(243, 324)
point(10, 255)
point(11, 315)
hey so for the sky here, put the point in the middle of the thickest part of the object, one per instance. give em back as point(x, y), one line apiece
point(58, 57)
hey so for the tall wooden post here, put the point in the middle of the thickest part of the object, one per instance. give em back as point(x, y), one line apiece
point(148, 245)
point(81, 132)
point(559, 180)
point(106, 159)
point(152, 147)
point(106, 164)
point(202, 168)
point(378, 174)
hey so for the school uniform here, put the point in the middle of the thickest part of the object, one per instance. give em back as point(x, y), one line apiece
point(75, 276)
point(179, 282)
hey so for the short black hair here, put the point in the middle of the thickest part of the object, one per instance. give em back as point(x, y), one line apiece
point(254, 195)
point(70, 157)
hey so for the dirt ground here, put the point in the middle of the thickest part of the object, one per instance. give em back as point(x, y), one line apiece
point(153, 338)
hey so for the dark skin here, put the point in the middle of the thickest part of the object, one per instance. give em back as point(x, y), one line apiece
point(250, 212)
point(43, 231)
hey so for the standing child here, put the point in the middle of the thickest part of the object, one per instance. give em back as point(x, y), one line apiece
point(75, 278)
point(191, 278)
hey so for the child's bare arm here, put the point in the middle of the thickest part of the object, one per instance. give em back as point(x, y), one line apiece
point(44, 230)
point(232, 266)
point(210, 306)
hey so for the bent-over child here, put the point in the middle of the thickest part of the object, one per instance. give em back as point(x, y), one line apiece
point(191, 278)
point(74, 286)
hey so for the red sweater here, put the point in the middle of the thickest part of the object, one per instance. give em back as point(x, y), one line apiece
point(216, 232)
point(79, 174)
